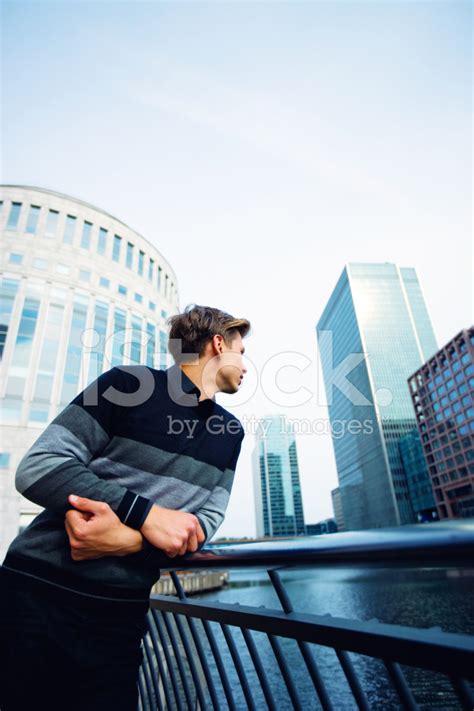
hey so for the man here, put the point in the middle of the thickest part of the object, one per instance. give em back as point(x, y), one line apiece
point(138, 468)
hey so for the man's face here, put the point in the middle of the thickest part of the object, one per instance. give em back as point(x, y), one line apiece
point(231, 368)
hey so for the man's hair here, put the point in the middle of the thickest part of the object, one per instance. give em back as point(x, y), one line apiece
point(192, 329)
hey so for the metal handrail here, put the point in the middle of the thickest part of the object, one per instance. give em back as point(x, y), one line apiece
point(448, 543)
point(184, 634)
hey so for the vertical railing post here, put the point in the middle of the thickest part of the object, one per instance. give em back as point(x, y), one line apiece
point(198, 644)
point(305, 649)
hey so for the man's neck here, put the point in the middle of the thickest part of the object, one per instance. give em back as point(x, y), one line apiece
point(206, 386)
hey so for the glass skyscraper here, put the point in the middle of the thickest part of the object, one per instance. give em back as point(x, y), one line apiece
point(418, 479)
point(277, 491)
point(374, 332)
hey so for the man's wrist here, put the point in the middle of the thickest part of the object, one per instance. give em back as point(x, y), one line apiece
point(133, 541)
point(148, 522)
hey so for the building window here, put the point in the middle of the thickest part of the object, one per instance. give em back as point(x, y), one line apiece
point(84, 275)
point(62, 269)
point(39, 412)
point(15, 258)
point(102, 243)
point(104, 282)
point(40, 263)
point(96, 363)
point(47, 364)
point(14, 216)
point(33, 217)
point(72, 367)
point(8, 289)
point(51, 223)
point(69, 229)
point(118, 344)
point(150, 344)
point(138, 298)
point(4, 460)
point(129, 258)
point(11, 410)
point(163, 350)
point(141, 262)
point(158, 278)
point(136, 345)
point(151, 266)
point(86, 235)
point(23, 349)
point(152, 306)
point(122, 289)
point(116, 249)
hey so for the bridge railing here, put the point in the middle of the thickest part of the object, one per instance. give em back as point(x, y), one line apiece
point(204, 654)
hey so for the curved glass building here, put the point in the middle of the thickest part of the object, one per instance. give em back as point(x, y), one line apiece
point(80, 292)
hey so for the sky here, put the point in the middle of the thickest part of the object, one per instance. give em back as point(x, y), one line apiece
point(260, 146)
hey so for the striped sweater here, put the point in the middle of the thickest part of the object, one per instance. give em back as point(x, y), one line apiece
point(135, 437)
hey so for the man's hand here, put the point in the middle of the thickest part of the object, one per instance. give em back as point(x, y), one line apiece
point(175, 532)
point(95, 531)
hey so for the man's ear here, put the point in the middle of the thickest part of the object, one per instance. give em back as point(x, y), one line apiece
point(217, 341)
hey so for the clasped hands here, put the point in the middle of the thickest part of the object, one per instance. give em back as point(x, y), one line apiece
point(95, 531)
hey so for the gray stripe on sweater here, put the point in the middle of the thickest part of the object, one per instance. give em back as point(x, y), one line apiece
point(81, 424)
point(213, 510)
point(57, 477)
point(34, 466)
point(55, 440)
point(147, 458)
point(163, 490)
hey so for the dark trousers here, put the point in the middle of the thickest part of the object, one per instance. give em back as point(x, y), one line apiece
point(63, 652)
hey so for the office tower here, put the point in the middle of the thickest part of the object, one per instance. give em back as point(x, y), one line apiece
point(80, 292)
point(277, 491)
point(443, 397)
point(337, 508)
point(374, 332)
point(418, 479)
point(328, 525)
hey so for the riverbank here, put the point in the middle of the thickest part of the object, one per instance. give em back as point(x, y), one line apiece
point(193, 583)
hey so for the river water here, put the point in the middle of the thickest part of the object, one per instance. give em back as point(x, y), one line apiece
point(426, 598)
